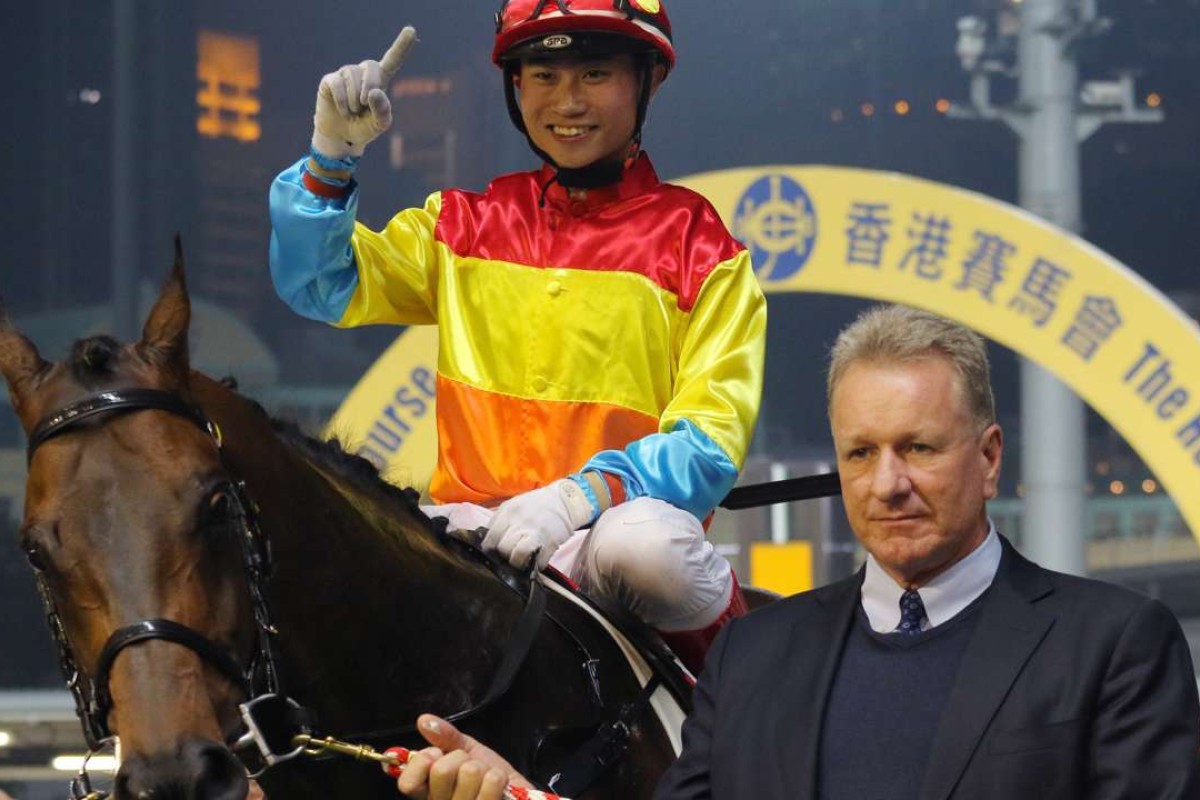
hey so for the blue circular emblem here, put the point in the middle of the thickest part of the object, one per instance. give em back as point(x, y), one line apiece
point(777, 222)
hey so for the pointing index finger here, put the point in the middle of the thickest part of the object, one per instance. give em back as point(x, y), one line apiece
point(395, 55)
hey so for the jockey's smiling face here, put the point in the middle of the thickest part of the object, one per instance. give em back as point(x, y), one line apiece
point(582, 111)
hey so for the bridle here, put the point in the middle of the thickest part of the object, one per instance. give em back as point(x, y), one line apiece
point(266, 710)
point(274, 722)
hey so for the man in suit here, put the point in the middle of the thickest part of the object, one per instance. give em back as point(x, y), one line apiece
point(949, 667)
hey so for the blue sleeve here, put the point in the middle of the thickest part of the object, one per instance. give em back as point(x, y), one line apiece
point(683, 467)
point(312, 264)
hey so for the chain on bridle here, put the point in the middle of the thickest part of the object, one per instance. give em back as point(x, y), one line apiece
point(265, 709)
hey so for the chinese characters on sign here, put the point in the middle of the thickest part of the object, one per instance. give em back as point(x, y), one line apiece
point(1028, 284)
point(992, 269)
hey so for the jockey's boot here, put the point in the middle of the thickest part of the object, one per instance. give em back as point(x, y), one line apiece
point(692, 646)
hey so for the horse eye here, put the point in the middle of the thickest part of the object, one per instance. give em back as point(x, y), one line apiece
point(220, 505)
point(36, 558)
point(31, 544)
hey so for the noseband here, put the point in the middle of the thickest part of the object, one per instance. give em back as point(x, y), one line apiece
point(259, 680)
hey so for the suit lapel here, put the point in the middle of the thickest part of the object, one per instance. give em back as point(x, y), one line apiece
point(1009, 629)
point(806, 679)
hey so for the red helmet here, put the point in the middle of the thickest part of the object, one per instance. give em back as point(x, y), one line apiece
point(547, 27)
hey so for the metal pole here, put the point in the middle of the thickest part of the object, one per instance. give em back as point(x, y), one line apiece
point(122, 250)
point(1050, 122)
point(780, 523)
point(1053, 446)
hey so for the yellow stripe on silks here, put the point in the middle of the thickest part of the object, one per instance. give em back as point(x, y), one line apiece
point(569, 334)
point(397, 269)
point(723, 347)
point(609, 340)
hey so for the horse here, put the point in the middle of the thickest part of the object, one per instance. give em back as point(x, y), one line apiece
point(192, 550)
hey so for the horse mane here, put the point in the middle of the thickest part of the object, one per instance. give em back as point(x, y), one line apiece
point(393, 503)
point(96, 358)
point(358, 472)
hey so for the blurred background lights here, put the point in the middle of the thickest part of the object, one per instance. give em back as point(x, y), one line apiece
point(75, 763)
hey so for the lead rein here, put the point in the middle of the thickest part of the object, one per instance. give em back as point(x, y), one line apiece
point(393, 760)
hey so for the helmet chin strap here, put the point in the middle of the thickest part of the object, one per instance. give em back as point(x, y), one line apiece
point(596, 174)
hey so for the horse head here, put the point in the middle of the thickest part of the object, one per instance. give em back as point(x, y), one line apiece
point(130, 523)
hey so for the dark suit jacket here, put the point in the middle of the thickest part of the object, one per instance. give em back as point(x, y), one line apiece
point(1069, 688)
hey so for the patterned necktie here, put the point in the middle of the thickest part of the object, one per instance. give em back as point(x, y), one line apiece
point(912, 613)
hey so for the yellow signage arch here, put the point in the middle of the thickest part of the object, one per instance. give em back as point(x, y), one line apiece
point(1100, 328)
point(1048, 295)
point(388, 417)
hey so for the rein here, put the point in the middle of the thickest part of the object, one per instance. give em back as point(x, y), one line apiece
point(520, 640)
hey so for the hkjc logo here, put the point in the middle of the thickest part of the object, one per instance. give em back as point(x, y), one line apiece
point(777, 222)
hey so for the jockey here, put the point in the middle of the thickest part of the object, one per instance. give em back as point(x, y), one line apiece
point(601, 332)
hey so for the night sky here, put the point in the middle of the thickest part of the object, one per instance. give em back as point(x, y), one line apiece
point(756, 84)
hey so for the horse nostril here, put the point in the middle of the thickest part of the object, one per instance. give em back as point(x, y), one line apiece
point(221, 776)
point(194, 770)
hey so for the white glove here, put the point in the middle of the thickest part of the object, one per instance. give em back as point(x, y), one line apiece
point(352, 104)
point(538, 521)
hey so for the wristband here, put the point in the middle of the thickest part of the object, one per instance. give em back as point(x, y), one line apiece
point(329, 188)
point(347, 164)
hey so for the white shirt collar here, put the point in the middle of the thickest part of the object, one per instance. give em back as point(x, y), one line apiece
point(944, 596)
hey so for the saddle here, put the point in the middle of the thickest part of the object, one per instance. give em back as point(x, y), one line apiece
point(587, 751)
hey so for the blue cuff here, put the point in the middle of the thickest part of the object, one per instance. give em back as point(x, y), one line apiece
point(685, 467)
point(347, 164)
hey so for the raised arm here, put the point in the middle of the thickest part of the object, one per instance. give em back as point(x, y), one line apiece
point(324, 265)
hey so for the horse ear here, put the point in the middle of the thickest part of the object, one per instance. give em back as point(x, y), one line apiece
point(19, 359)
point(166, 328)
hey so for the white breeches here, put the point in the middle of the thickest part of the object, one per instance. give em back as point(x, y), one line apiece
point(647, 555)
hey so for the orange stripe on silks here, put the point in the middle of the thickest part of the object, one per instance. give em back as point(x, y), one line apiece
point(493, 446)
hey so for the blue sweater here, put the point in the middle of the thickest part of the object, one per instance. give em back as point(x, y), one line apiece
point(885, 706)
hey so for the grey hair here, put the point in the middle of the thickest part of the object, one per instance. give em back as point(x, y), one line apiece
point(897, 334)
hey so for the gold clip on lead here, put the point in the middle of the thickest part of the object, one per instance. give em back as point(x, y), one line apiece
point(359, 752)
